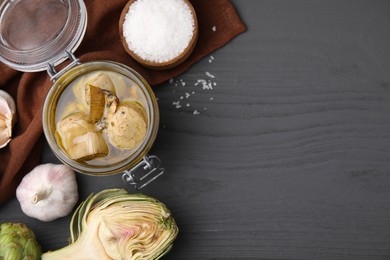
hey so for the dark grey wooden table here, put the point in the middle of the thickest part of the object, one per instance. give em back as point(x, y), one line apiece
point(286, 154)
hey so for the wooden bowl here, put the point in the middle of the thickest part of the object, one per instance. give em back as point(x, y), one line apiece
point(160, 65)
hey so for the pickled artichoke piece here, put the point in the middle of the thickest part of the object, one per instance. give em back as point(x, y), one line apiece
point(88, 146)
point(80, 138)
point(111, 104)
point(102, 81)
point(82, 90)
point(126, 125)
point(80, 93)
point(97, 101)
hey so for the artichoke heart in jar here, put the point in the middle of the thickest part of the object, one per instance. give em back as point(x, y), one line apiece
point(100, 117)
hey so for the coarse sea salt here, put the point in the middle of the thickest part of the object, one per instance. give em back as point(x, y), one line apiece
point(205, 83)
point(158, 30)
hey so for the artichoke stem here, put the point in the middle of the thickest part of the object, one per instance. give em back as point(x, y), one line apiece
point(77, 250)
point(72, 251)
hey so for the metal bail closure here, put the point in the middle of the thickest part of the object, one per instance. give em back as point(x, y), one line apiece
point(144, 172)
point(54, 75)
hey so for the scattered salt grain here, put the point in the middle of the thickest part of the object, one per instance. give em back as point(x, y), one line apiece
point(176, 104)
point(208, 74)
point(158, 31)
point(214, 28)
point(200, 81)
point(205, 83)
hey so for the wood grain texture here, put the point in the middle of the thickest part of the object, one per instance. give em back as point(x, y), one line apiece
point(289, 156)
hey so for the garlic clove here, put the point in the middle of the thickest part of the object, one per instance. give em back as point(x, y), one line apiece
point(5, 137)
point(48, 192)
point(7, 117)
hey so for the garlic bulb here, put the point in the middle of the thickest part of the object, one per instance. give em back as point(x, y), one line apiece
point(7, 117)
point(48, 192)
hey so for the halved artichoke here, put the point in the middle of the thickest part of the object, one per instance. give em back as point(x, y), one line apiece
point(116, 225)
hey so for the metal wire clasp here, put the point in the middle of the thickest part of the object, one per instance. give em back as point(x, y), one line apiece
point(54, 75)
point(144, 172)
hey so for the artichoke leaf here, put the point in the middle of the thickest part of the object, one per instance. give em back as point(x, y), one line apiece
point(75, 229)
point(96, 106)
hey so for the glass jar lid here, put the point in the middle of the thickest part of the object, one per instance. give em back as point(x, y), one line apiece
point(34, 34)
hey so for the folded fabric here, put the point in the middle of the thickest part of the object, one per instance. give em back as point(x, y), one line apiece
point(218, 24)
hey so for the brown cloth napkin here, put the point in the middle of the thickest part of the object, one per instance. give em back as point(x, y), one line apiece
point(101, 41)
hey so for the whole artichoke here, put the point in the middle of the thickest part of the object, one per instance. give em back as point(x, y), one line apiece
point(17, 241)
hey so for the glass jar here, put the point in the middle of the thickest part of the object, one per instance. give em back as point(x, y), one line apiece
point(29, 43)
point(36, 33)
